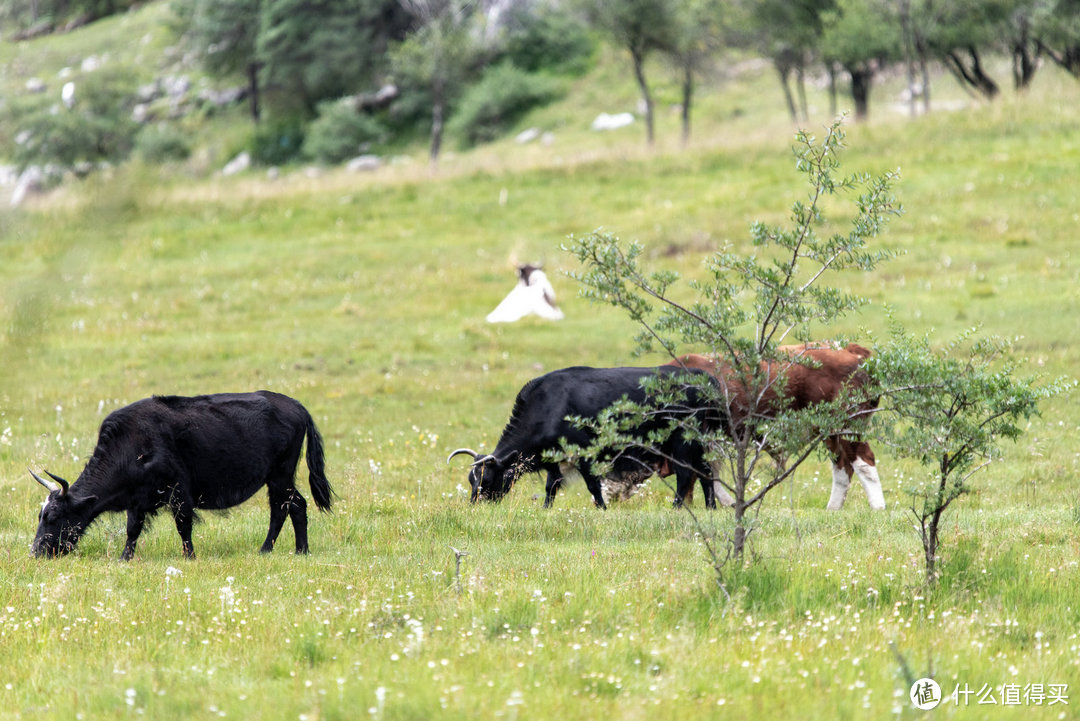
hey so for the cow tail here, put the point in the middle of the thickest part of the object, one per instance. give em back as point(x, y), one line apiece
point(320, 487)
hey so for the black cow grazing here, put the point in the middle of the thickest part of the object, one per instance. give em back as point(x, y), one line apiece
point(538, 423)
point(211, 452)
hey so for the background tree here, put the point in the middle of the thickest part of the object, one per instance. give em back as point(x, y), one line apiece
point(695, 38)
point(1022, 40)
point(788, 32)
point(1057, 24)
point(861, 36)
point(959, 32)
point(225, 34)
point(438, 56)
point(315, 50)
point(748, 307)
point(950, 408)
point(639, 27)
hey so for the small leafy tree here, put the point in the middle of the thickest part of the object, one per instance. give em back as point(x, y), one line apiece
point(951, 408)
point(639, 27)
point(225, 34)
point(502, 95)
point(438, 56)
point(750, 305)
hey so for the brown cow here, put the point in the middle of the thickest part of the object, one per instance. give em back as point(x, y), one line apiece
point(817, 373)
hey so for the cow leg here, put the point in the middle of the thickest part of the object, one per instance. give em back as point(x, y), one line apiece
point(136, 519)
point(184, 516)
point(841, 480)
point(841, 471)
point(298, 514)
point(592, 482)
point(719, 491)
point(554, 482)
point(866, 469)
point(279, 511)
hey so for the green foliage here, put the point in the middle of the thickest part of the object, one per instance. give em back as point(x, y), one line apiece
point(749, 306)
point(340, 133)
point(639, 26)
point(951, 408)
point(162, 143)
point(314, 51)
point(224, 33)
point(277, 142)
point(98, 126)
point(500, 98)
point(52, 13)
point(438, 57)
point(859, 33)
point(549, 39)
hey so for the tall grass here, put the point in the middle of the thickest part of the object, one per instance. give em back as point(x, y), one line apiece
point(364, 298)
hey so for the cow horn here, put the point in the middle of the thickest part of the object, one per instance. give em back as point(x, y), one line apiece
point(48, 484)
point(466, 451)
point(480, 460)
point(58, 479)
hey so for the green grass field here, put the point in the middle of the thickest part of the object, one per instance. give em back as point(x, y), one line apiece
point(364, 298)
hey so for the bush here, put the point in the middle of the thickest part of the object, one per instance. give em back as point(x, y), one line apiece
point(98, 126)
point(340, 133)
point(503, 95)
point(549, 39)
point(161, 143)
point(277, 142)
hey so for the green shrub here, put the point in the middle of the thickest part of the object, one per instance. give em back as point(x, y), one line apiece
point(339, 133)
point(277, 142)
point(503, 95)
point(98, 126)
point(549, 39)
point(161, 143)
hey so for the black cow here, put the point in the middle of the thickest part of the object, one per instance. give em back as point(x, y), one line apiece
point(212, 451)
point(538, 423)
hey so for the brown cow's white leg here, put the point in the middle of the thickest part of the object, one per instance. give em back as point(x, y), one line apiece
point(722, 496)
point(841, 480)
point(868, 474)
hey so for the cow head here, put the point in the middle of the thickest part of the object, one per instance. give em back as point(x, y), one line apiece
point(61, 521)
point(489, 478)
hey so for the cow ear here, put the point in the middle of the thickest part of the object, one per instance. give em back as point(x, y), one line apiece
point(87, 500)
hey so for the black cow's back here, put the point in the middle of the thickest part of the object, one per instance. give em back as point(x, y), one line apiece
point(229, 443)
point(544, 403)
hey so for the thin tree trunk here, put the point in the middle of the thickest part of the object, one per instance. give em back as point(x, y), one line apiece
point(800, 86)
point(924, 68)
point(688, 98)
point(783, 70)
point(738, 538)
point(909, 54)
point(833, 110)
point(253, 90)
point(639, 74)
point(1068, 58)
point(437, 110)
point(1025, 62)
point(973, 75)
point(861, 79)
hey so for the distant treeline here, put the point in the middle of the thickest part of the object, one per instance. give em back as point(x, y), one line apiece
point(25, 19)
point(326, 80)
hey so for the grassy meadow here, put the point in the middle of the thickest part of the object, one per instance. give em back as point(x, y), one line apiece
point(363, 296)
